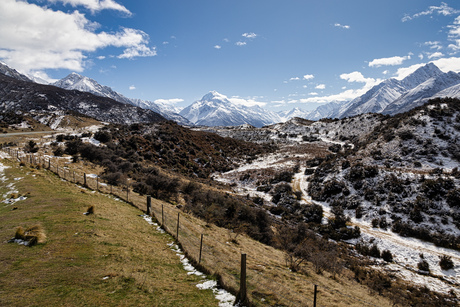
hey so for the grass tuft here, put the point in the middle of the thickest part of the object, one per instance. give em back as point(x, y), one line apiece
point(32, 235)
point(90, 210)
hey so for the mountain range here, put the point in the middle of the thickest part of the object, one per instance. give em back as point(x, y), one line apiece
point(390, 97)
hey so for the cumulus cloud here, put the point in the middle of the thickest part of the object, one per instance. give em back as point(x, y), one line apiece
point(249, 35)
point(171, 101)
point(338, 25)
point(217, 47)
point(443, 9)
point(308, 77)
point(433, 45)
point(346, 94)
point(240, 43)
point(391, 61)
point(132, 87)
point(35, 38)
point(435, 55)
point(294, 79)
point(96, 5)
point(320, 86)
point(249, 102)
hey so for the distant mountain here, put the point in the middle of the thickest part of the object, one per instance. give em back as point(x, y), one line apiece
point(214, 109)
point(13, 73)
point(394, 96)
point(37, 99)
point(81, 83)
point(431, 88)
point(295, 112)
point(78, 82)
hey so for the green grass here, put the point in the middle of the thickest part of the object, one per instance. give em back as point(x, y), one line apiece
point(69, 269)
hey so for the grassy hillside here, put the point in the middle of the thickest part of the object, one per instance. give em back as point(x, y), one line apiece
point(110, 258)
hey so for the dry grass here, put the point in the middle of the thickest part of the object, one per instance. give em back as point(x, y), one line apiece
point(33, 235)
point(111, 258)
point(270, 282)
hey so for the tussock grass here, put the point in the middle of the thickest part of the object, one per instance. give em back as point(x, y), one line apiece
point(33, 235)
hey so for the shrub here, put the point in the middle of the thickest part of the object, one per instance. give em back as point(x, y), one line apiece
point(423, 266)
point(387, 256)
point(446, 263)
point(374, 251)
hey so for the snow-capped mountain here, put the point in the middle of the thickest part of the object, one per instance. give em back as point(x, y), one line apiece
point(419, 95)
point(81, 83)
point(394, 96)
point(13, 73)
point(214, 109)
point(295, 112)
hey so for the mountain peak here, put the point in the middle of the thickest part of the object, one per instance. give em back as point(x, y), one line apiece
point(422, 74)
point(214, 95)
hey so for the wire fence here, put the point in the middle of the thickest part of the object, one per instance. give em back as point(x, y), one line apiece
point(268, 283)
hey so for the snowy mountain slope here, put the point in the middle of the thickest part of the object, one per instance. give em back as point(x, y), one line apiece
point(295, 112)
point(417, 96)
point(393, 96)
point(78, 82)
point(214, 109)
point(37, 99)
point(13, 73)
point(376, 99)
point(81, 83)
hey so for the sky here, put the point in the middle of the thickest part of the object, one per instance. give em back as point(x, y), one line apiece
point(272, 53)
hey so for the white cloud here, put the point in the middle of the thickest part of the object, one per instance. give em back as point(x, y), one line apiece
point(436, 55)
point(169, 101)
point(448, 64)
point(249, 35)
point(386, 72)
point(392, 61)
point(443, 9)
point(405, 71)
point(250, 102)
point(96, 5)
point(217, 47)
point(304, 86)
point(338, 25)
point(346, 94)
point(34, 38)
point(240, 43)
point(313, 94)
point(320, 86)
point(101, 57)
point(308, 77)
point(433, 45)
point(132, 87)
point(294, 79)
point(420, 56)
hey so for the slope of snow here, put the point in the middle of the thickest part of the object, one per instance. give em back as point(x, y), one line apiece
point(214, 109)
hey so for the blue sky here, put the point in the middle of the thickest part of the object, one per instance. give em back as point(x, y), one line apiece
point(277, 54)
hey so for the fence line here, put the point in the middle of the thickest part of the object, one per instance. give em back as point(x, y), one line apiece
point(202, 250)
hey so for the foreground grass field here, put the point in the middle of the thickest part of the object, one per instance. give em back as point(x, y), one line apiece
point(110, 258)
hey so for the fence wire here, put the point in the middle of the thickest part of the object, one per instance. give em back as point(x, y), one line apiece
point(264, 289)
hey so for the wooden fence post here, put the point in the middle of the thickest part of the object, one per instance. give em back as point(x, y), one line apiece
point(127, 193)
point(314, 297)
point(84, 179)
point(242, 298)
point(149, 205)
point(97, 183)
point(177, 230)
point(201, 248)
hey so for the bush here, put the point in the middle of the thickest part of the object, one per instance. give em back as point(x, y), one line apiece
point(446, 263)
point(423, 266)
point(387, 256)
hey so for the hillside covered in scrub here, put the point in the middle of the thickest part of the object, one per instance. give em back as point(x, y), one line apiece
point(402, 176)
